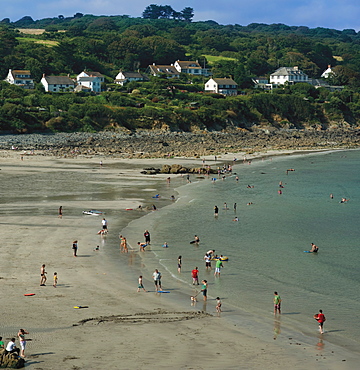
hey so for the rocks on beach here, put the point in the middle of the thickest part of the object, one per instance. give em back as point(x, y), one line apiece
point(164, 144)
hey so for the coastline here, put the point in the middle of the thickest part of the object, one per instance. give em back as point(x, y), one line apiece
point(133, 342)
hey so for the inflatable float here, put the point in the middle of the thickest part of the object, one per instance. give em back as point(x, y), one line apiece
point(223, 258)
point(93, 212)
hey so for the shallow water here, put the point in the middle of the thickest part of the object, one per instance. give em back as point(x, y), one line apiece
point(266, 247)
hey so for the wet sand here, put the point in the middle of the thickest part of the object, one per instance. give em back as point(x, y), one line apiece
point(120, 328)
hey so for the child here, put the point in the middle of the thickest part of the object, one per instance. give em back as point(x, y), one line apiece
point(218, 304)
point(141, 285)
point(165, 245)
point(55, 279)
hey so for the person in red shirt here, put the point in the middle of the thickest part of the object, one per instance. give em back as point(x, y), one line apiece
point(320, 318)
point(195, 276)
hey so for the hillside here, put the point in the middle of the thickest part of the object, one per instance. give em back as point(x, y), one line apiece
point(109, 44)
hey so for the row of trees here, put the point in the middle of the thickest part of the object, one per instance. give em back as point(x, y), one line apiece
point(154, 11)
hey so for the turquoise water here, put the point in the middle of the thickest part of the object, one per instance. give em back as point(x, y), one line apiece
point(266, 247)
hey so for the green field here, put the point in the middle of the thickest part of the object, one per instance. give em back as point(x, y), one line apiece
point(37, 41)
point(214, 58)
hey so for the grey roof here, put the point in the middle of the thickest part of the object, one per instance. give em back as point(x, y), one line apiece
point(288, 71)
point(225, 81)
point(132, 75)
point(59, 80)
point(84, 79)
point(168, 69)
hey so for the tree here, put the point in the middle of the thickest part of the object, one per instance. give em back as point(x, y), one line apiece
point(187, 14)
point(152, 11)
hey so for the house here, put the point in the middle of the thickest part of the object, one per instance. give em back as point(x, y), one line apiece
point(124, 77)
point(191, 68)
point(288, 74)
point(262, 83)
point(328, 72)
point(225, 86)
point(91, 74)
point(57, 83)
point(92, 83)
point(20, 78)
point(168, 70)
point(317, 83)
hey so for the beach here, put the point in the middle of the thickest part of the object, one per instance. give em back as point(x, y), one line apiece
point(118, 328)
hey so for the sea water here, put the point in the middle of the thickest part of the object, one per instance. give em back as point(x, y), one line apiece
point(266, 246)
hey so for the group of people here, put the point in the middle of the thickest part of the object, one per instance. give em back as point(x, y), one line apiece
point(11, 346)
point(319, 317)
point(43, 277)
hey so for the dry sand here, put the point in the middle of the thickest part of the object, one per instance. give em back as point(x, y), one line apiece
point(120, 329)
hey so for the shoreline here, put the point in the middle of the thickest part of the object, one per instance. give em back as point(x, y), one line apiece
point(110, 292)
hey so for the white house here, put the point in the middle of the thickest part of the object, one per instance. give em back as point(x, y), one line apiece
point(91, 74)
point(57, 83)
point(20, 78)
point(225, 86)
point(191, 67)
point(288, 74)
point(124, 77)
point(93, 83)
point(169, 70)
point(328, 72)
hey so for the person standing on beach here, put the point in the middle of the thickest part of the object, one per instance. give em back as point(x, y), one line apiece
point(218, 267)
point(204, 289)
point(60, 212)
point(140, 284)
point(157, 279)
point(277, 303)
point(22, 340)
point(218, 304)
point(104, 224)
point(216, 211)
point(179, 264)
point(75, 248)
point(320, 318)
point(42, 275)
point(147, 237)
point(55, 279)
point(195, 276)
point(207, 259)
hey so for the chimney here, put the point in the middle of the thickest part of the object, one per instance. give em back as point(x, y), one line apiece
point(43, 75)
point(329, 65)
point(296, 68)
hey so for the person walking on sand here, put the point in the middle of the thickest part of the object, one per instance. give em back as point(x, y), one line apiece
point(60, 212)
point(55, 279)
point(22, 340)
point(195, 276)
point(216, 211)
point(75, 247)
point(320, 318)
point(147, 237)
point(277, 303)
point(157, 279)
point(204, 289)
point(42, 275)
point(140, 284)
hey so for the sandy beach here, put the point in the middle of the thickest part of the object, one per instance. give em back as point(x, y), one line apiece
point(119, 328)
